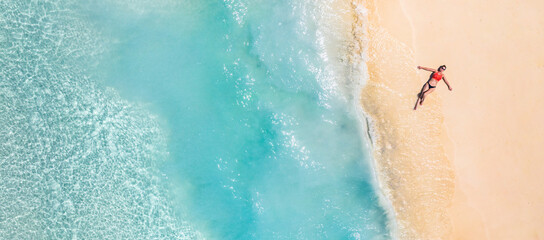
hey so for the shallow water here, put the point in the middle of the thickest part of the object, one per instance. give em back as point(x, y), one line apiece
point(179, 119)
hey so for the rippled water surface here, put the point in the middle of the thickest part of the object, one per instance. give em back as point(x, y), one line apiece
point(179, 120)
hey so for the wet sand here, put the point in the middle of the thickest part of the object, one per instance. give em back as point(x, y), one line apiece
point(414, 172)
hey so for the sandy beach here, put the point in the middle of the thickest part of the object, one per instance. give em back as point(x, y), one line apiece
point(484, 137)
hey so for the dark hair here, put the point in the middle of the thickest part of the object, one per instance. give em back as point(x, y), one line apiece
point(443, 66)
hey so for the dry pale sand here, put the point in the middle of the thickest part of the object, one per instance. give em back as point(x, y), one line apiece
point(494, 118)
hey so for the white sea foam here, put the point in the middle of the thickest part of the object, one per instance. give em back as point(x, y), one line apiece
point(346, 31)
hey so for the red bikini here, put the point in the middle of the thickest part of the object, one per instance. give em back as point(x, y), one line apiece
point(438, 76)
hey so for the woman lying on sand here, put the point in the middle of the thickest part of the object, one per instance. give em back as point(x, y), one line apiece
point(430, 85)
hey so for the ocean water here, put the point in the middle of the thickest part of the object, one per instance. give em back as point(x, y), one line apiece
point(183, 119)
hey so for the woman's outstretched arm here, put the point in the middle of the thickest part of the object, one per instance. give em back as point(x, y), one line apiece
point(426, 68)
point(447, 83)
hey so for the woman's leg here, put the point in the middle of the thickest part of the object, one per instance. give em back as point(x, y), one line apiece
point(425, 95)
point(423, 90)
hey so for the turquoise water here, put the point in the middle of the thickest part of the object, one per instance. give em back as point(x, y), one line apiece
point(179, 120)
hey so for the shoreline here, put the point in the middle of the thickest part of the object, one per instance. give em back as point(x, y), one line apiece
point(357, 49)
point(348, 21)
point(359, 32)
